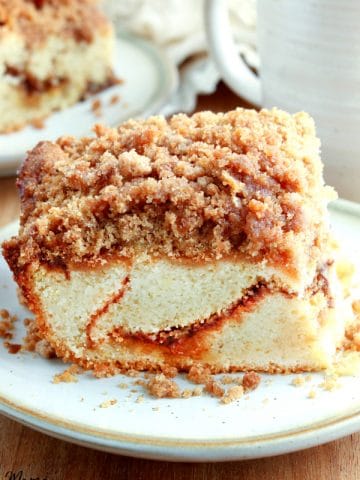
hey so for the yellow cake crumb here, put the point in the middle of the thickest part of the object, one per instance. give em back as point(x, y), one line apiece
point(232, 394)
point(186, 393)
point(330, 383)
point(68, 375)
point(298, 381)
point(108, 403)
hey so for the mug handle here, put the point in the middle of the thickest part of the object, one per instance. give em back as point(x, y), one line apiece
point(235, 72)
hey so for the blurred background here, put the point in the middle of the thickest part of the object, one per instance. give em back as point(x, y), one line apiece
point(178, 28)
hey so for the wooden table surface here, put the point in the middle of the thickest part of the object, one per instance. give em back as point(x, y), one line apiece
point(40, 456)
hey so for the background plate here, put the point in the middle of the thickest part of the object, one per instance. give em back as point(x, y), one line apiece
point(149, 80)
point(276, 418)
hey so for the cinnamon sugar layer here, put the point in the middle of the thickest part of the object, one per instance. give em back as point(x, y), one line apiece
point(199, 187)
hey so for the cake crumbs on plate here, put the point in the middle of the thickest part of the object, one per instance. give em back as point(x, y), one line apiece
point(108, 403)
point(199, 374)
point(232, 394)
point(187, 393)
point(123, 385)
point(251, 380)
point(96, 107)
point(228, 380)
point(298, 381)
point(214, 388)
point(330, 383)
point(68, 375)
point(162, 387)
point(140, 399)
point(7, 322)
point(12, 348)
point(114, 99)
point(312, 394)
point(192, 392)
point(197, 391)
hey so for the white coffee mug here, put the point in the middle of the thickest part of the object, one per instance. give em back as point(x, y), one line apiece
point(309, 60)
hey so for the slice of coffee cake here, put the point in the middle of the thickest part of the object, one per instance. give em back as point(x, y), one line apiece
point(52, 54)
point(202, 240)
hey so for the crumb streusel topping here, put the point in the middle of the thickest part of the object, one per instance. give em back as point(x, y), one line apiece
point(35, 20)
point(199, 187)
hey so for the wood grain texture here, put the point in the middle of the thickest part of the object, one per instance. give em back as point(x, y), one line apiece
point(38, 455)
point(9, 202)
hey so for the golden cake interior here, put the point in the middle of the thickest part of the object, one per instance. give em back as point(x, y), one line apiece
point(201, 239)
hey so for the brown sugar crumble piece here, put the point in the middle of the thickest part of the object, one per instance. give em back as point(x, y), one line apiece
point(6, 324)
point(232, 394)
point(214, 388)
point(250, 381)
point(114, 99)
point(68, 376)
point(199, 374)
point(162, 387)
point(12, 348)
point(96, 107)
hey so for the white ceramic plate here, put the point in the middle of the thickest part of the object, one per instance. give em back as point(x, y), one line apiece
point(149, 80)
point(276, 418)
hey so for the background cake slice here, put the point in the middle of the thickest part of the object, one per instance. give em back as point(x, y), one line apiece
point(52, 54)
point(202, 240)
